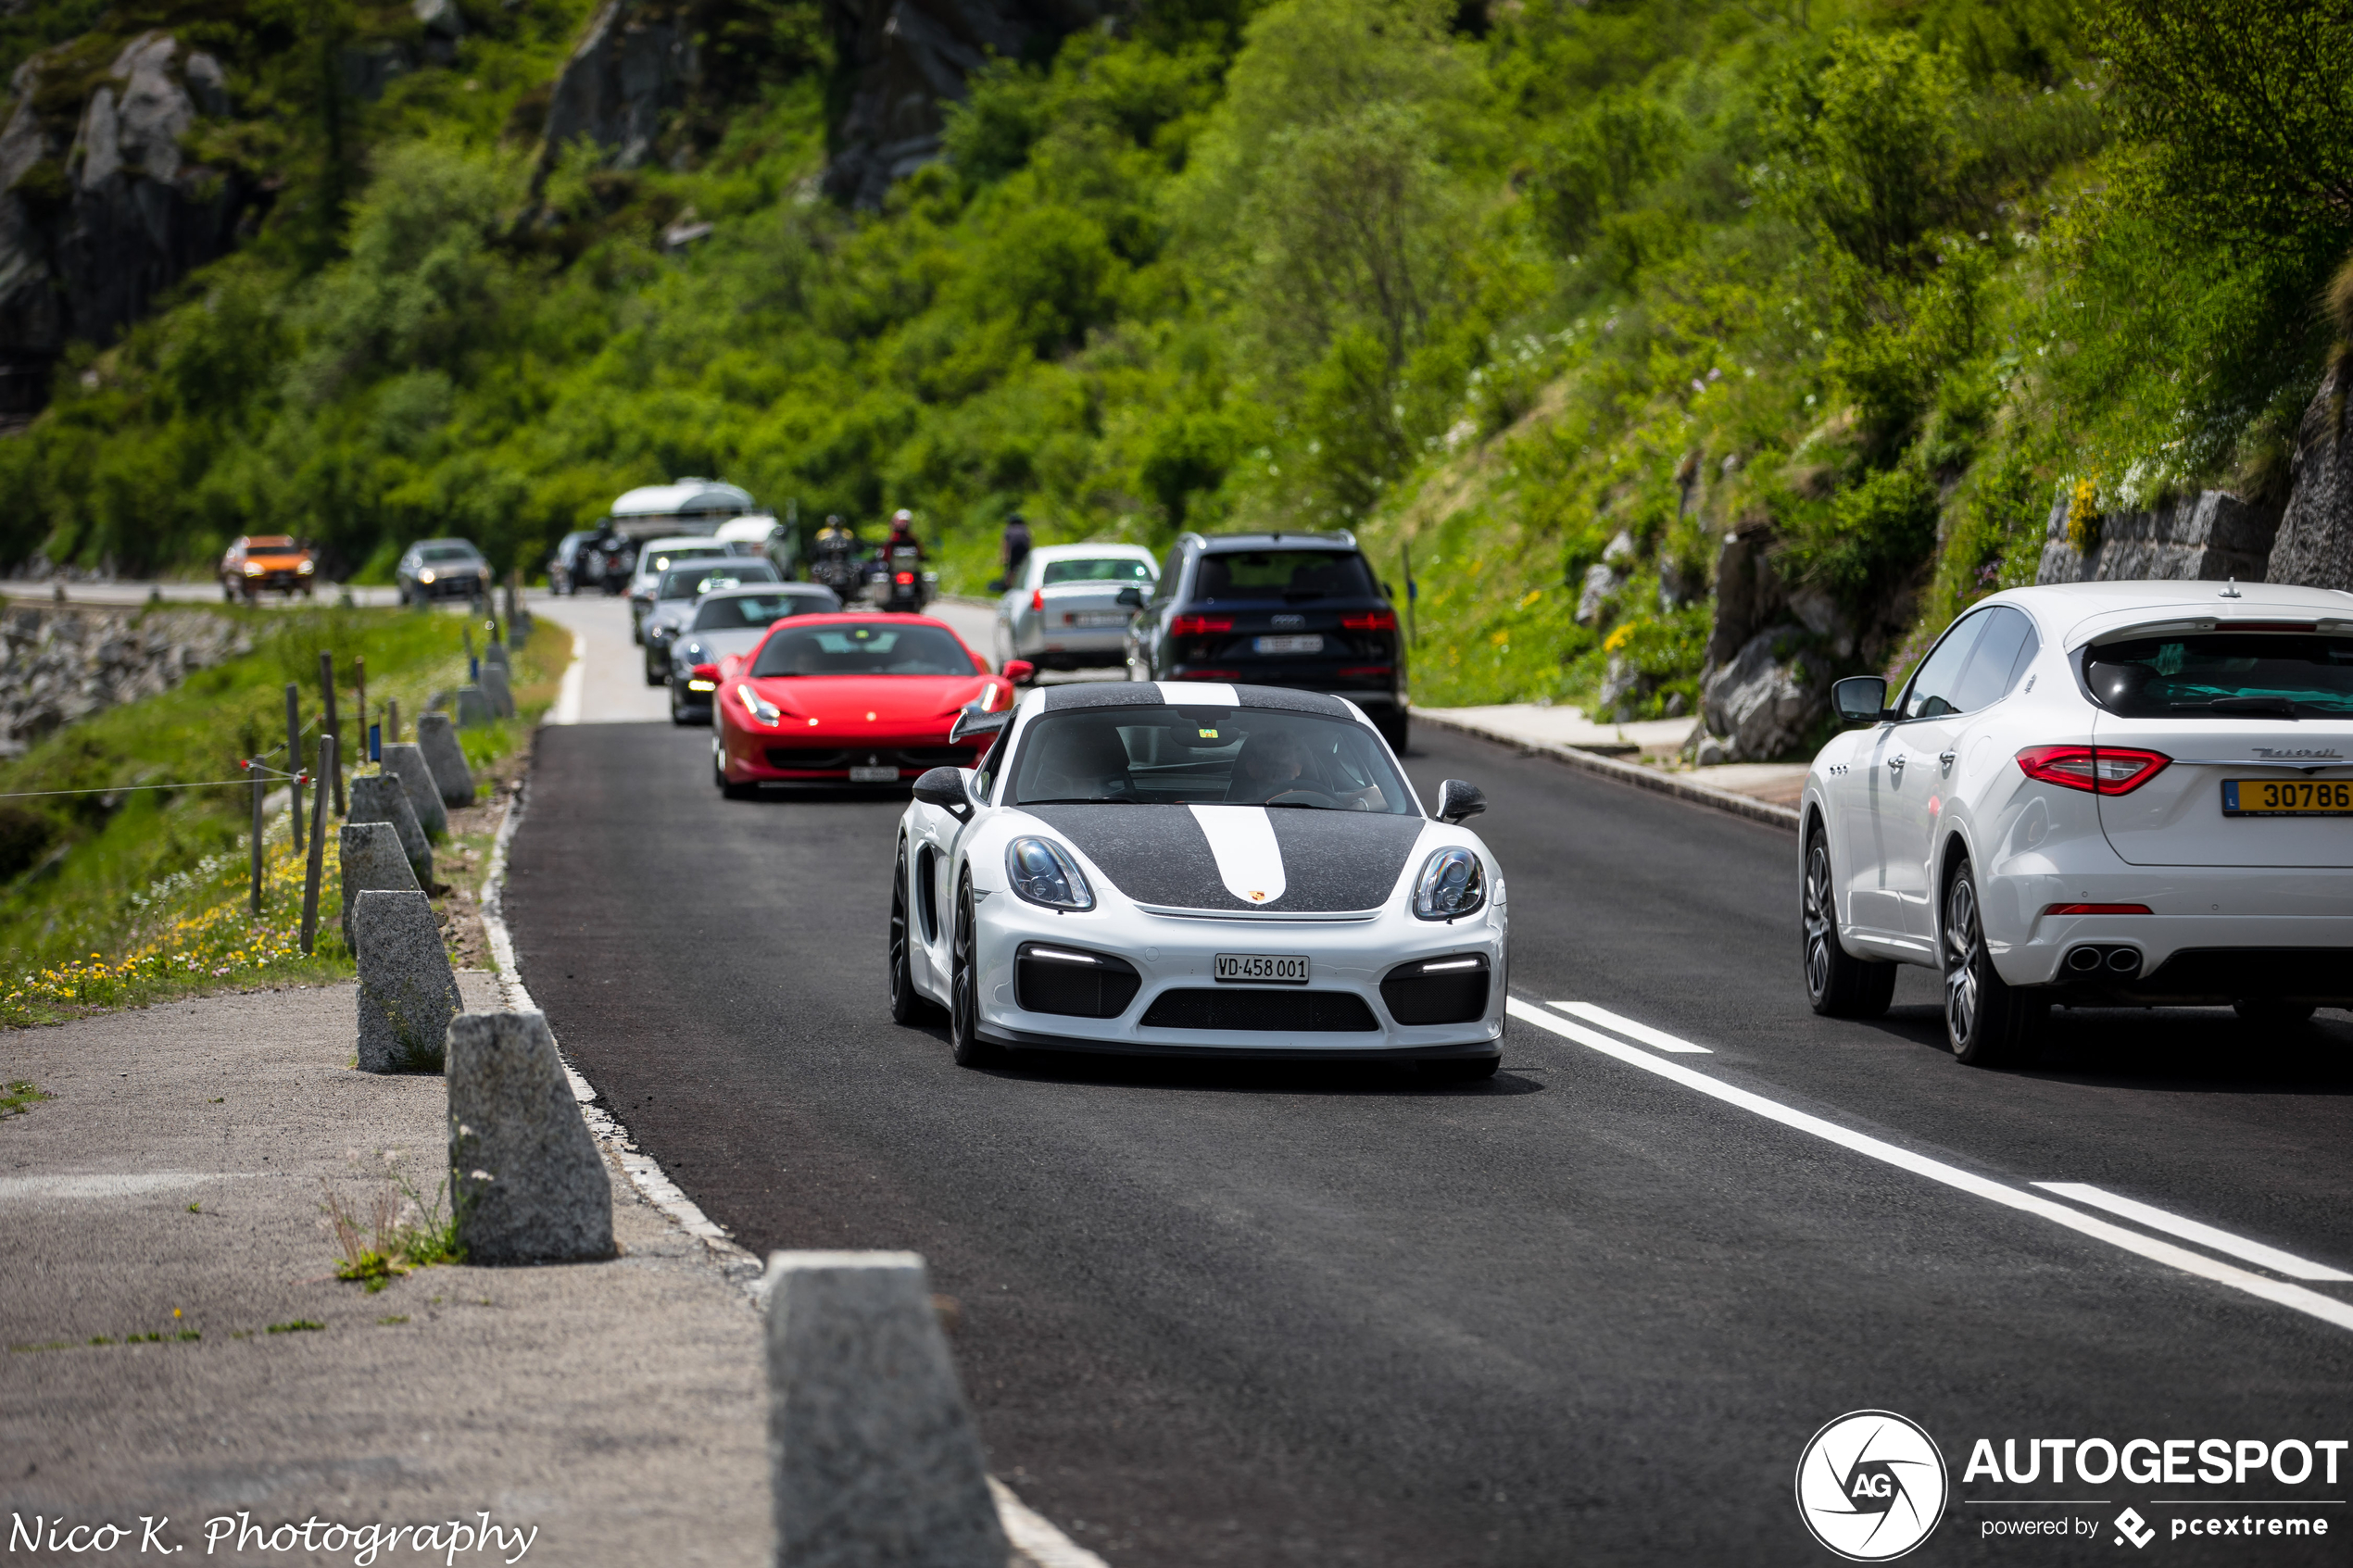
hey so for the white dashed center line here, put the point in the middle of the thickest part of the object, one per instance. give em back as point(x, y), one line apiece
point(2311, 1302)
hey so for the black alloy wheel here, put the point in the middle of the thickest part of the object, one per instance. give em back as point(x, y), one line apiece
point(1988, 1022)
point(907, 1004)
point(718, 775)
point(1838, 984)
point(677, 715)
point(1396, 732)
point(964, 988)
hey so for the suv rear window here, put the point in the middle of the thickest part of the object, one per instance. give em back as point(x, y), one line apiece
point(1285, 574)
point(2224, 675)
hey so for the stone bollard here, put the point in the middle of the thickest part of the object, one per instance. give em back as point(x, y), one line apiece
point(496, 654)
point(438, 740)
point(473, 707)
point(382, 798)
point(528, 1184)
point(404, 762)
point(372, 861)
point(497, 689)
point(408, 993)
point(874, 1460)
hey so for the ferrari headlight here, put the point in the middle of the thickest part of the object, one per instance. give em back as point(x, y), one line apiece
point(1451, 884)
point(1043, 872)
point(762, 709)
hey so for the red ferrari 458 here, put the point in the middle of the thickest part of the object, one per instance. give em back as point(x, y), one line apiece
point(848, 699)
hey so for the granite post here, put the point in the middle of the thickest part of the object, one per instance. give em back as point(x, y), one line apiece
point(529, 1185)
point(404, 762)
point(371, 860)
point(438, 740)
point(873, 1457)
point(407, 992)
point(382, 798)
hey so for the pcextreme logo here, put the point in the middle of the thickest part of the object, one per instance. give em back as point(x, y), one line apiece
point(1871, 1486)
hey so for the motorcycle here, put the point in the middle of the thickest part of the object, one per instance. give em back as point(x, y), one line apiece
point(618, 563)
point(899, 580)
point(837, 567)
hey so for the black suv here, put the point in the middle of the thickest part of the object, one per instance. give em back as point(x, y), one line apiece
point(1275, 610)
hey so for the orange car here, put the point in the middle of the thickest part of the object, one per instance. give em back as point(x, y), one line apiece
point(267, 560)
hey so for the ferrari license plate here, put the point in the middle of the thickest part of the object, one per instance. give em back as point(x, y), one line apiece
point(2287, 797)
point(1308, 643)
point(873, 775)
point(1262, 969)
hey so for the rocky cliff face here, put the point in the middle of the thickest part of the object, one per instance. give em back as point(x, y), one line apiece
point(60, 665)
point(94, 225)
point(906, 60)
point(2314, 546)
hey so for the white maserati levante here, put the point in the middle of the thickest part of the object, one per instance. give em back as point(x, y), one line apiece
point(2096, 794)
point(1185, 866)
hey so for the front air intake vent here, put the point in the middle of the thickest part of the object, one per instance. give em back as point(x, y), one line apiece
point(1312, 1012)
point(1444, 990)
point(1072, 982)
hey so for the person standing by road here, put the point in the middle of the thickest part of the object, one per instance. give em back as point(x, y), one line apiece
point(1014, 551)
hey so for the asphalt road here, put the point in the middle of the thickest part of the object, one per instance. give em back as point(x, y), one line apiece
point(1591, 1312)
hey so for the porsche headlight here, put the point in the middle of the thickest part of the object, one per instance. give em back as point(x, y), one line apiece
point(1451, 884)
point(1043, 872)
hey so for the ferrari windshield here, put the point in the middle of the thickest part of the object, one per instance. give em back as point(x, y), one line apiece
point(1207, 756)
point(862, 650)
point(734, 613)
point(2226, 675)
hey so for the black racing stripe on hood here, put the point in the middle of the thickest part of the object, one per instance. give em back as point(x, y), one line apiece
point(1102, 693)
point(1287, 700)
point(1154, 854)
point(1340, 859)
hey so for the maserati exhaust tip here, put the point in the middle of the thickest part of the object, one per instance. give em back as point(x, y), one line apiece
point(2083, 960)
point(2125, 960)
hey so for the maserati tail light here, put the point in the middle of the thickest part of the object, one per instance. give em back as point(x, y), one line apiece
point(1370, 620)
point(1199, 626)
point(2099, 770)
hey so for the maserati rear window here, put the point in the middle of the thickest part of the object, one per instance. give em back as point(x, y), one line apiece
point(862, 650)
point(1107, 568)
point(2224, 675)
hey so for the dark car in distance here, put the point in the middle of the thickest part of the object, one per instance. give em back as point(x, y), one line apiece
point(1303, 610)
point(442, 568)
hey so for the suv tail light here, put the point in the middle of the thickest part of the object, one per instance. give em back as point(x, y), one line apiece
point(1370, 620)
point(2100, 770)
point(1199, 626)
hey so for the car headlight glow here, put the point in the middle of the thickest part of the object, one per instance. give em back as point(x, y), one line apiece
point(762, 709)
point(305, 568)
point(253, 569)
point(1042, 871)
point(425, 576)
point(1451, 884)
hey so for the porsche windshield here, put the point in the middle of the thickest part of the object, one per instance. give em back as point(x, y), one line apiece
point(1207, 756)
point(862, 650)
point(2224, 675)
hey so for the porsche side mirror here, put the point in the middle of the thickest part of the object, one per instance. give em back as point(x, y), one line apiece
point(1457, 800)
point(1017, 671)
point(1860, 699)
point(972, 720)
point(1131, 598)
point(944, 787)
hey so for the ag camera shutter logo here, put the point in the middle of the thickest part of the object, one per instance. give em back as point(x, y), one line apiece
point(1871, 1486)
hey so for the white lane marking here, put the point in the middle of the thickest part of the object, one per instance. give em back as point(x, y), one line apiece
point(1035, 1536)
point(1200, 694)
point(2156, 1219)
point(1249, 860)
point(567, 708)
point(2327, 1309)
point(1632, 1030)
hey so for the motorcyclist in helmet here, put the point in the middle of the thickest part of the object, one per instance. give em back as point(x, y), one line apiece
point(902, 535)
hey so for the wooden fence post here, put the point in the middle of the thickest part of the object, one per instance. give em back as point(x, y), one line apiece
point(316, 869)
point(294, 759)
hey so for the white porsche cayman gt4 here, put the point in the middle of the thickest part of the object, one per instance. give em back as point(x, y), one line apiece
point(1185, 868)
